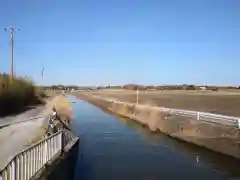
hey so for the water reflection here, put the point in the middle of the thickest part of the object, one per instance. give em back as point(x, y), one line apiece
point(227, 165)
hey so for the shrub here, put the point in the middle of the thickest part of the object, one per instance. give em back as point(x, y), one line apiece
point(18, 94)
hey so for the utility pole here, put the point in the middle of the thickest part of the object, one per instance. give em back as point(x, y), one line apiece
point(11, 30)
point(11, 52)
point(42, 71)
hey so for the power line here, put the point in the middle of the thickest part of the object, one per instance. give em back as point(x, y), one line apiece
point(104, 41)
point(76, 31)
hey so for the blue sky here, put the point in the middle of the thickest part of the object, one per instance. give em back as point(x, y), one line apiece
point(100, 42)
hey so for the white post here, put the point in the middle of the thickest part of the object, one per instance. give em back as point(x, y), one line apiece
point(198, 115)
point(13, 170)
point(5, 174)
point(137, 96)
point(18, 168)
point(28, 164)
point(22, 167)
point(45, 153)
point(238, 123)
point(25, 165)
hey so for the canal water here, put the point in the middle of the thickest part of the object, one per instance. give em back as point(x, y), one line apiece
point(116, 148)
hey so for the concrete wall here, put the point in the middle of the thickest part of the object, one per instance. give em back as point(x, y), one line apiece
point(217, 137)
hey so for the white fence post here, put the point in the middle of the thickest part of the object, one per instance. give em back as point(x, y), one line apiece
point(198, 115)
point(45, 153)
point(137, 95)
point(238, 123)
point(13, 169)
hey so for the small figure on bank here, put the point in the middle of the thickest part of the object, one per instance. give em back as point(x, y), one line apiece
point(54, 113)
point(50, 129)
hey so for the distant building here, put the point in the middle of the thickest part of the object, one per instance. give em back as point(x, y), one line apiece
point(203, 88)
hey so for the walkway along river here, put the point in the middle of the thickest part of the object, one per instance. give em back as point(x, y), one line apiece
point(118, 148)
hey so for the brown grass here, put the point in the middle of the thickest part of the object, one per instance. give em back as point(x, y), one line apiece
point(225, 102)
point(63, 107)
point(64, 110)
point(38, 136)
point(18, 94)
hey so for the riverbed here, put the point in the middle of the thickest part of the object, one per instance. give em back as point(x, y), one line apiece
point(112, 147)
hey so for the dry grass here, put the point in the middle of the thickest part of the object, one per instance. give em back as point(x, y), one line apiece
point(16, 95)
point(38, 136)
point(64, 110)
point(222, 102)
point(63, 107)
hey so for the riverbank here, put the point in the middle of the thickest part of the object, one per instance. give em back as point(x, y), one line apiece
point(108, 140)
point(217, 137)
point(64, 108)
point(64, 111)
point(220, 102)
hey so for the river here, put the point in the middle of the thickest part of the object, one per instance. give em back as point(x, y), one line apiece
point(116, 148)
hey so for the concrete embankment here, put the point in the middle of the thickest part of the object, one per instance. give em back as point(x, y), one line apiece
point(217, 137)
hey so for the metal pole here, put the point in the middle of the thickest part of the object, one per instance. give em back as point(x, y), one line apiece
point(42, 71)
point(11, 29)
point(11, 54)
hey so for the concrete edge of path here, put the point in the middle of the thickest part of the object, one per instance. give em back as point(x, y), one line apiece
point(25, 120)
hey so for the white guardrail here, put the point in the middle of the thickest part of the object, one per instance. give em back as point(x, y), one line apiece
point(29, 161)
point(202, 116)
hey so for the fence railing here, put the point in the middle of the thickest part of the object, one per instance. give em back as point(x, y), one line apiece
point(26, 163)
point(203, 116)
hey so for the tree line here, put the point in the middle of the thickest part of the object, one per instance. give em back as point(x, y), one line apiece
point(145, 87)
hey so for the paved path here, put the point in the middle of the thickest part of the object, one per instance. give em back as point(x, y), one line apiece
point(16, 136)
point(29, 114)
